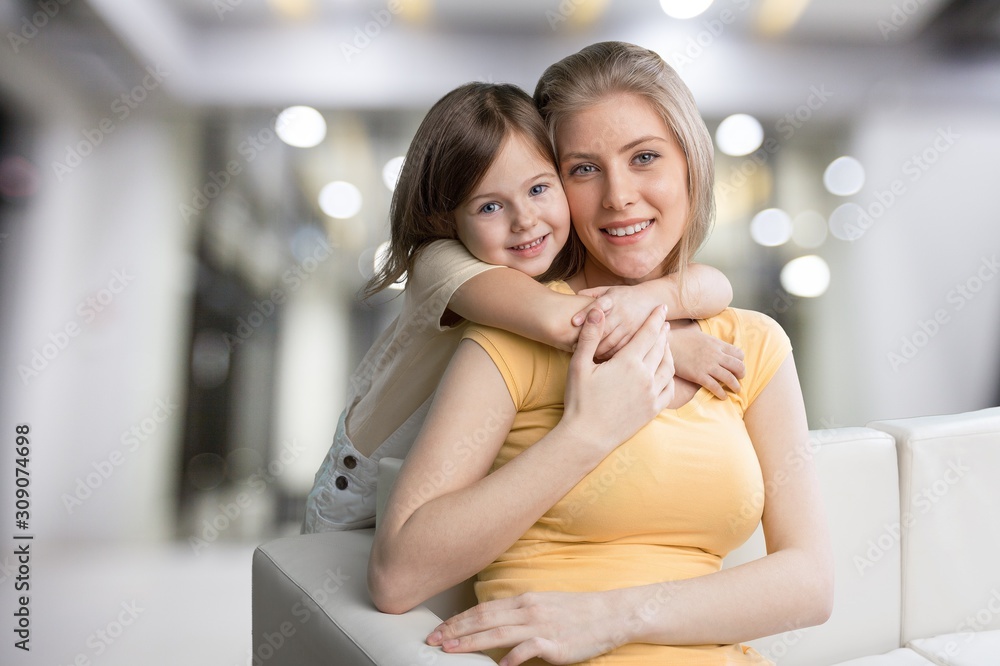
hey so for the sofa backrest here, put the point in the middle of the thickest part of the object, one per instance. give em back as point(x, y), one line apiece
point(950, 498)
point(857, 472)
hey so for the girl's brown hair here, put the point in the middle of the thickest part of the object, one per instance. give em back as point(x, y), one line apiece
point(608, 68)
point(450, 154)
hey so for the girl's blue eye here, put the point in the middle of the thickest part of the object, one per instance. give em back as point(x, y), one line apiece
point(491, 207)
point(537, 189)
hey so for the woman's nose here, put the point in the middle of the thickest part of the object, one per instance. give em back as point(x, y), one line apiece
point(619, 190)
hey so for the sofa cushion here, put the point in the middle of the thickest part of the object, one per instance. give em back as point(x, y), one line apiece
point(949, 495)
point(898, 657)
point(981, 648)
point(857, 472)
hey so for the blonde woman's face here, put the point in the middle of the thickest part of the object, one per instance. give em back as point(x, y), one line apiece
point(625, 178)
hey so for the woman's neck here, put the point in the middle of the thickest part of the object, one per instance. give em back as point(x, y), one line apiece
point(596, 275)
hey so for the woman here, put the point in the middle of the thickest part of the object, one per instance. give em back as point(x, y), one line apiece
point(587, 547)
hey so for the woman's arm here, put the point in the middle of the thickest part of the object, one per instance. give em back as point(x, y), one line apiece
point(445, 521)
point(791, 587)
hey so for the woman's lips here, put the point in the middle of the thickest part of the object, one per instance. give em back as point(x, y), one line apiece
point(638, 229)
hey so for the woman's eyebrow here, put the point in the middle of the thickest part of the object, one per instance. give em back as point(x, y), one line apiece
point(624, 149)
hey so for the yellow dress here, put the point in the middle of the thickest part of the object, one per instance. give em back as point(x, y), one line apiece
point(667, 504)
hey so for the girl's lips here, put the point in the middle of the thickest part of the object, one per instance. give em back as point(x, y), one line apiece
point(629, 239)
point(537, 246)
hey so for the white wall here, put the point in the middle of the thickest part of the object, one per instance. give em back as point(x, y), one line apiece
point(941, 230)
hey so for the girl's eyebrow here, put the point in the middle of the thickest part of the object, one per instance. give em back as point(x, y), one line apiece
point(496, 195)
point(624, 149)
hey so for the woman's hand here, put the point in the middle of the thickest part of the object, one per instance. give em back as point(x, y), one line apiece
point(607, 403)
point(625, 308)
point(559, 627)
point(707, 360)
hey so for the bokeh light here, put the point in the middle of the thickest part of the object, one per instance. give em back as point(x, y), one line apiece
point(807, 276)
point(844, 176)
point(340, 199)
point(390, 172)
point(771, 227)
point(300, 126)
point(739, 134)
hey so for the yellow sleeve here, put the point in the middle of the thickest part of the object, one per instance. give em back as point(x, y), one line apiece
point(524, 364)
point(765, 346)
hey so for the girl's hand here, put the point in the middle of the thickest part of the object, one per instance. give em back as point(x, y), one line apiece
point(706, 360)
point(607, 403)
point(559, 627)
point(624, 307)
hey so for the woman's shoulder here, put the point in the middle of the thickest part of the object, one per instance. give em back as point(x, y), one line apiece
point(743, 327)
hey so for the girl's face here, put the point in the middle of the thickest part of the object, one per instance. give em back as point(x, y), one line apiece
point(626, 182)
point(517, 216)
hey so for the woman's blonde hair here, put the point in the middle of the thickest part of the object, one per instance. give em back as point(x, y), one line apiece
point(607, 68)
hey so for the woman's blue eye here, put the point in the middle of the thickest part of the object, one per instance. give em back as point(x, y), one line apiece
point(582, 169)
point(645, 158)
point(491, 207)
point(537, 189)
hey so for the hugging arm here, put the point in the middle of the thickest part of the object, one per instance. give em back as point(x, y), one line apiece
point(791, 587)
point(447, 518)
point(511, 300)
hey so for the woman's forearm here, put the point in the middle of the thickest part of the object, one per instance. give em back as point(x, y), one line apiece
point(454, 536)
point(786, 590)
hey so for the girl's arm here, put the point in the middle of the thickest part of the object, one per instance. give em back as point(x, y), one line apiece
point(791, 587)
point(447, 519)
point(510, 300)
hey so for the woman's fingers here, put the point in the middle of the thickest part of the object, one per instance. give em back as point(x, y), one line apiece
point(655, 354)
point(648, 333)
point(589, 339)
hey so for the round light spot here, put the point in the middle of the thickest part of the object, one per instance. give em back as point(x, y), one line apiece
point(807, 276)
point(844, 176)
point(390, 172)
point(845, 222)
point(739, 134)
point(809, 229)
point(340, 199)
point(206, 471)
point(300, 126)
point(684, 9)
point(771, 227)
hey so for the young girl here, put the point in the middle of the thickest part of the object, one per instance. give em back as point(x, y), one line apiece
point(479, 191)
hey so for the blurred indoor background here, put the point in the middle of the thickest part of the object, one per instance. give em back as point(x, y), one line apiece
point(192, 193)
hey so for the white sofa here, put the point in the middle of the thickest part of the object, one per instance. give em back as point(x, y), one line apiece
point(913, 508)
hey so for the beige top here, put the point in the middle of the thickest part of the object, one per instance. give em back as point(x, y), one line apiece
point(402, 369)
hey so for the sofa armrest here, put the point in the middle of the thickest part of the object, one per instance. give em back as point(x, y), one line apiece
point(311, 606)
